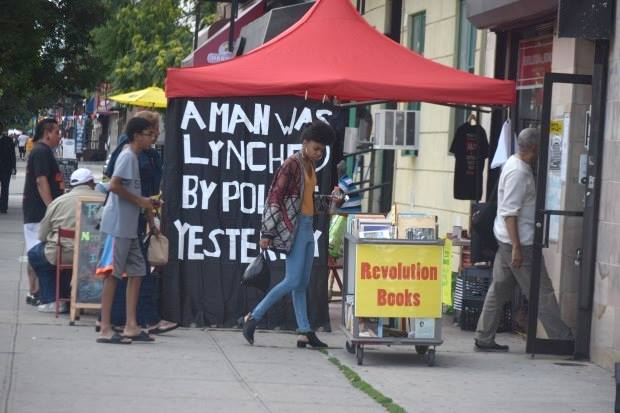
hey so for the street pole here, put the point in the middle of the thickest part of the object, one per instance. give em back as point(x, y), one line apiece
point(197, 24)
point(231, 32)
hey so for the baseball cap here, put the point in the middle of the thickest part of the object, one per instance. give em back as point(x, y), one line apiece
point(81, 176)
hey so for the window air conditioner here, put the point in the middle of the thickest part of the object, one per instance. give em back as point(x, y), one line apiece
point(397, 129)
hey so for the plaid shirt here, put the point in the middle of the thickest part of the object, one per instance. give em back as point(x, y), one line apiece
point(283, 204)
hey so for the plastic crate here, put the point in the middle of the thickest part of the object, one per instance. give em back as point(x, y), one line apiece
point(470, 313)
point(476, 283)
point(472, 287)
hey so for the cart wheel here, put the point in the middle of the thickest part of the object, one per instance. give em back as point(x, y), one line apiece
point(421, 349)
point(359, 352)
point(350, 347)
point(430, 358)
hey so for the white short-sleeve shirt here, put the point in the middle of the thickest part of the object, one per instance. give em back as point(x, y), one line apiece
point(516, 196)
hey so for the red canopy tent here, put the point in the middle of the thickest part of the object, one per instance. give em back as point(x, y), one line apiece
point(332, 51)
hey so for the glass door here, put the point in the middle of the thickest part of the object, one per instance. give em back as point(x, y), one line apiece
point(561, 184)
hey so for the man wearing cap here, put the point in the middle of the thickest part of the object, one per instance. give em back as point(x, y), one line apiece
point(60, 213)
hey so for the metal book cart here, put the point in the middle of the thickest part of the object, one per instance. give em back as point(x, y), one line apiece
point(397, 280)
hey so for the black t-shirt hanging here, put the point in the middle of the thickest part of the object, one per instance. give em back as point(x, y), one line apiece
point(41, 162)
point(470, 149)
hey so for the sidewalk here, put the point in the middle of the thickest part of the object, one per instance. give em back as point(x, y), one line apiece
point(47, 365)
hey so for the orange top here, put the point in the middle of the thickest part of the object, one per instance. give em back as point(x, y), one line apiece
point(307, 205)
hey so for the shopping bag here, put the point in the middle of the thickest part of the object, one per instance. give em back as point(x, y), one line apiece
point(105, 265)
point(157, 253)
point(258, 273)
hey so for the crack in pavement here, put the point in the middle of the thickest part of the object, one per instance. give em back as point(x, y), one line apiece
point(237, 375)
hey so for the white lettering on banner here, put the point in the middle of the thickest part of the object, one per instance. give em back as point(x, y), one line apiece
point(250, 156)
point(239, 116)
point(216, 246)
point(215, 151)
point(287, 130)
point(243, 154)
point(240, 154)
point(187, 152)
point(258, 125)
point(223, 112)
point(190, 190)
point(326, 158)
point(227, 196)
point(321, 113)
point(252, 188)
point(244, 247)
point(232, 236)
point(261, 119)
point(194, 241)
point(190, 187)
point(246, 244)
point(236, 153)
point(251, 196)
point(305, 117)
point(182, 229)
point(317, 235)
point(273, 159)
point(191, 112)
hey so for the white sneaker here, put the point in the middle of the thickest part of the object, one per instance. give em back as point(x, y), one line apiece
point(47, 308)
point(51, 307)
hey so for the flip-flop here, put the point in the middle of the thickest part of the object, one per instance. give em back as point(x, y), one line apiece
point(143, 336)
point(158, 330)
point(115, 339)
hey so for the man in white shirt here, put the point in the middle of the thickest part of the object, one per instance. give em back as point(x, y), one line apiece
point(21, 144)
point(514, 231)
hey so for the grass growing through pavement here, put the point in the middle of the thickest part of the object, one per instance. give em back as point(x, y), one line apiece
point(365, 387)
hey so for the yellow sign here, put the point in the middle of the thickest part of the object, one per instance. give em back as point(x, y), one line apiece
point(556, 126)
point(398, 280)
point(446, 273)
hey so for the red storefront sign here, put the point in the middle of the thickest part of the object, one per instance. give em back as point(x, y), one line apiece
point(535, 57)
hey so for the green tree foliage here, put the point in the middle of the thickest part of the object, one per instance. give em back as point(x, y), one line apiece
point(44, 53)
point(140, 40)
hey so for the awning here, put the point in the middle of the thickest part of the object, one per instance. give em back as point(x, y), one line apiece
point(332, 51)
point(151, 97)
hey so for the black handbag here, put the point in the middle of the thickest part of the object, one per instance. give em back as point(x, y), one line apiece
point(258, 273)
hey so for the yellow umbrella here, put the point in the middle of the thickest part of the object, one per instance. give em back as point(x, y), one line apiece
point(151, 97)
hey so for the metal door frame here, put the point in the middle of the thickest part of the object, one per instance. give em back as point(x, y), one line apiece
point(537, 345)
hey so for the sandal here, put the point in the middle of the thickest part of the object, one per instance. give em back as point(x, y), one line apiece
point(115, 339)
point(158, 330)
point(143, 336)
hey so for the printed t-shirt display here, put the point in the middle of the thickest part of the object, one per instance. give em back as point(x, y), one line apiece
point(41, 162)
point(470, 149)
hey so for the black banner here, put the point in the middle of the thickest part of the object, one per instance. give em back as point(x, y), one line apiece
point(220, 157)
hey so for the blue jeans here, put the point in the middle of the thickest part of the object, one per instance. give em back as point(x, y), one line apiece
point(298, 268)
point(46, 273)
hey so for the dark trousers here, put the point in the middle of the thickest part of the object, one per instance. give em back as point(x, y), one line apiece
point(46, 273)
point(5, 180)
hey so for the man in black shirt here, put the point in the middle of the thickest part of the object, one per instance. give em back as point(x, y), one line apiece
point(7, 166)
point(44, 182)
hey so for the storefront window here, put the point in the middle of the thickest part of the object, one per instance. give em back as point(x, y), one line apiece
point(417, 27)
point(534, 61)
point(466, 53)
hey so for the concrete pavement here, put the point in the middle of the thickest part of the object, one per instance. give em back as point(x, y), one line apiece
point(47, 365)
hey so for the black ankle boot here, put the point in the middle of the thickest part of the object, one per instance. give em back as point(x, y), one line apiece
point(313, 341)
point(249, 326)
